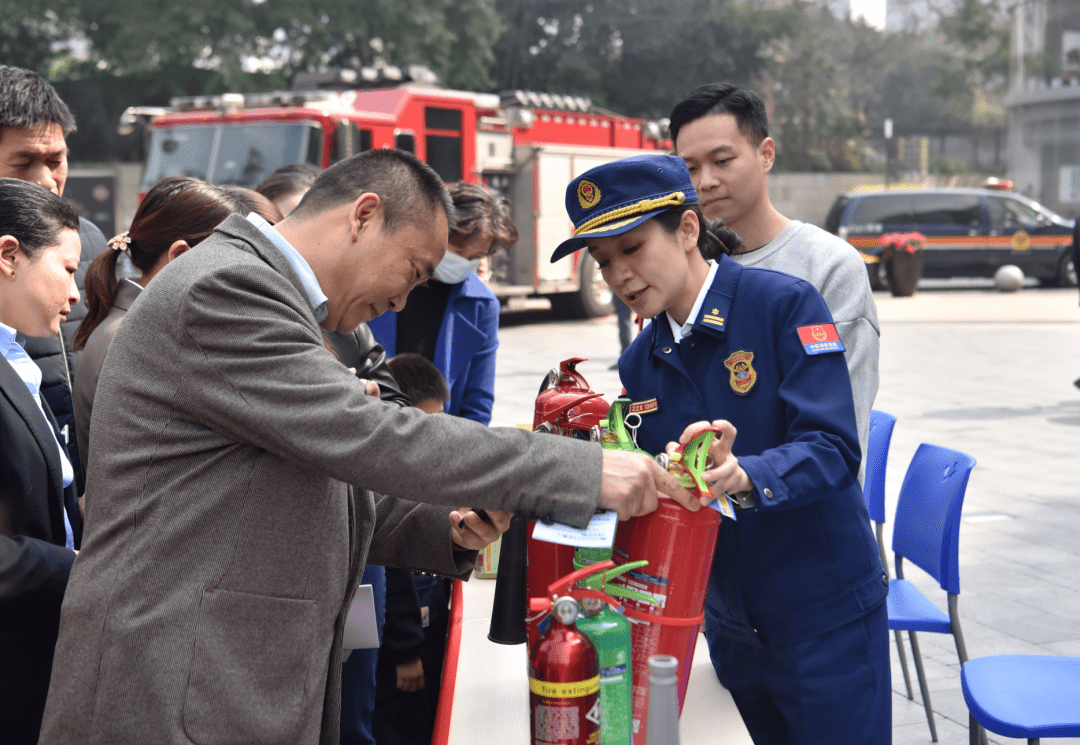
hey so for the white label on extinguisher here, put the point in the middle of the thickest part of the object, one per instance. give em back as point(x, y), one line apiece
point(556, 723)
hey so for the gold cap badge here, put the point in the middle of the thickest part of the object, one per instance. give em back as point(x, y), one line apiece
point(588, 194)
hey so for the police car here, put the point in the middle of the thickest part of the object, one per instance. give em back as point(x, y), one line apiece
point(969, 232)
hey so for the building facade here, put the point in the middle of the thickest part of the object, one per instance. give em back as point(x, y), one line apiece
point(1044, 103)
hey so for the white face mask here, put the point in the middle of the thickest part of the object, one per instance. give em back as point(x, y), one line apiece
point(454, 269)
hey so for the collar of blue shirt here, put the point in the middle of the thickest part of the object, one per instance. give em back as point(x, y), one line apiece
point(314, 292)
point(679, 331)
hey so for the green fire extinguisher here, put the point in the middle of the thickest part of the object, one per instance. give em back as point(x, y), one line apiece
point(609, 632)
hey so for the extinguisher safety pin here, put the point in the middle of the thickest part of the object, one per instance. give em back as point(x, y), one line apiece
point(633, 422)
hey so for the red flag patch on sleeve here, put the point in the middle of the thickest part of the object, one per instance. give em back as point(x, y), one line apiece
point(821, 338)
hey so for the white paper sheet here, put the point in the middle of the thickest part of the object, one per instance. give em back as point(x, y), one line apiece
point(600, 532)
point(361, 627)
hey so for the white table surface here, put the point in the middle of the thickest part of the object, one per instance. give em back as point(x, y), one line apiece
point(491, 701)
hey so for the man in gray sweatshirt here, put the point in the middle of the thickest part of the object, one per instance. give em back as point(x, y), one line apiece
point(721, 131)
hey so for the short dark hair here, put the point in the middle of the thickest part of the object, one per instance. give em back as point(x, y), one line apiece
point(479, 209)
point(408, 187)
point(723, 98)
point(287, 180)
point(249, 200)
point(27, 100)
point(418, 378)
point(33, 215)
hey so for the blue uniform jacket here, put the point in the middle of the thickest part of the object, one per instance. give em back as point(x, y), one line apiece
point(803, 561)
point(464, 349)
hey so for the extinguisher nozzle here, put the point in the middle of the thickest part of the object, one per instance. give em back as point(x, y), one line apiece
point(508, 609)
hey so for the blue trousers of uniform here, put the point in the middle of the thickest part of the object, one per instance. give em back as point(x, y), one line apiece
point(834, 689)
point(358, 672)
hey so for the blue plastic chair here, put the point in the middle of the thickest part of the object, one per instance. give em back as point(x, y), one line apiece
point(926, 532)
point(1023, 696)
point(877, 459)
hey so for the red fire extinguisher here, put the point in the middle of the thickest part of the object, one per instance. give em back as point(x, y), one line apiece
point(564, 668)
point(679, 546)
point(565, 406)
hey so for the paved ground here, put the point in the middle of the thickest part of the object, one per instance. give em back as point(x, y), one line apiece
point(987, 373)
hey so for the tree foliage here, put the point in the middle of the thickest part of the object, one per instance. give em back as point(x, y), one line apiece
point(637, 57)
point(828, 82)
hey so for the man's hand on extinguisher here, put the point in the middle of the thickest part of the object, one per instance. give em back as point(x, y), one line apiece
point(631, 482)
point(474, 529)
point(725, 475)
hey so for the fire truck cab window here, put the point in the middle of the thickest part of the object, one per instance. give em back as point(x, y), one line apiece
point(251, 152)
point(446, 119)
point(365, 140)
point(179, 152)
point(241, 154)
point(405, 141)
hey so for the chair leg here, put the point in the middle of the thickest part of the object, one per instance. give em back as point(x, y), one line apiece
point(974, 730)
point(961, 648)
point(923, 685)
point(903, 663)
point(879, 530)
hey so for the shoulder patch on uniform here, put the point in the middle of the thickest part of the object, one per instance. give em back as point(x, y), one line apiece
point(743, 374)
point(821, 338)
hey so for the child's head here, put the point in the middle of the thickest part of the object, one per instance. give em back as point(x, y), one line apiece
point(641, 221)
point(421, 381)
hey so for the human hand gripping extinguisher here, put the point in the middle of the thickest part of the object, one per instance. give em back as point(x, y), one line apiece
point(679, 546)
point(564, 668)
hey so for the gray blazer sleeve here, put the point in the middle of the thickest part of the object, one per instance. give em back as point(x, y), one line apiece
point(256, 370)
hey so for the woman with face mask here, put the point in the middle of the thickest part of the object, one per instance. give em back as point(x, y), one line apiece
point(453, 320)
point(39, 520)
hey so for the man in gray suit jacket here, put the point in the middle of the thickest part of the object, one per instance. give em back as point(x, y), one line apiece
point(228, 511)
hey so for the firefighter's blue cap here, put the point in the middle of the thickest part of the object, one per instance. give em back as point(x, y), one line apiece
point(616, 197)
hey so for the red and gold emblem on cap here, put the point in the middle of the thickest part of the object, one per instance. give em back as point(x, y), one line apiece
point(588, 194)
point(743, 374)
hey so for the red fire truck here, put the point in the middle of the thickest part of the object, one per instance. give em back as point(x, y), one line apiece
point(527, 146)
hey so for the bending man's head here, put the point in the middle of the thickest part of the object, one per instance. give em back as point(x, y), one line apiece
point(372, 226)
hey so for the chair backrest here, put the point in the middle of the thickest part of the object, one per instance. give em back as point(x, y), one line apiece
point(877, 456)
point(927, 526)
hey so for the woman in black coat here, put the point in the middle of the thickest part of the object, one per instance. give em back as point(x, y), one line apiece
point(39, 518)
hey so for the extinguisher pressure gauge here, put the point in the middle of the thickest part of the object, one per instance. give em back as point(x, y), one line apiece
point(566, 610)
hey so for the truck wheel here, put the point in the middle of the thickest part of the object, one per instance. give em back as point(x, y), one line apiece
point(593, 298)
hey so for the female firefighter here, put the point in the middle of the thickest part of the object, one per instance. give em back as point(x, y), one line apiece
point(796, 618)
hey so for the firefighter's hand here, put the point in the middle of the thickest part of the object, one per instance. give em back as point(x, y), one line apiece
point(726, 475)
point(410, 676)
point(631, 483)
point(472, 532)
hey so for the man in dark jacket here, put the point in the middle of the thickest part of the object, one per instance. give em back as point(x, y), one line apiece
point(34, 125)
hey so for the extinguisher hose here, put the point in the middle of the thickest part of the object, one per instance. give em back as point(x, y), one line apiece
point(663, 620)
